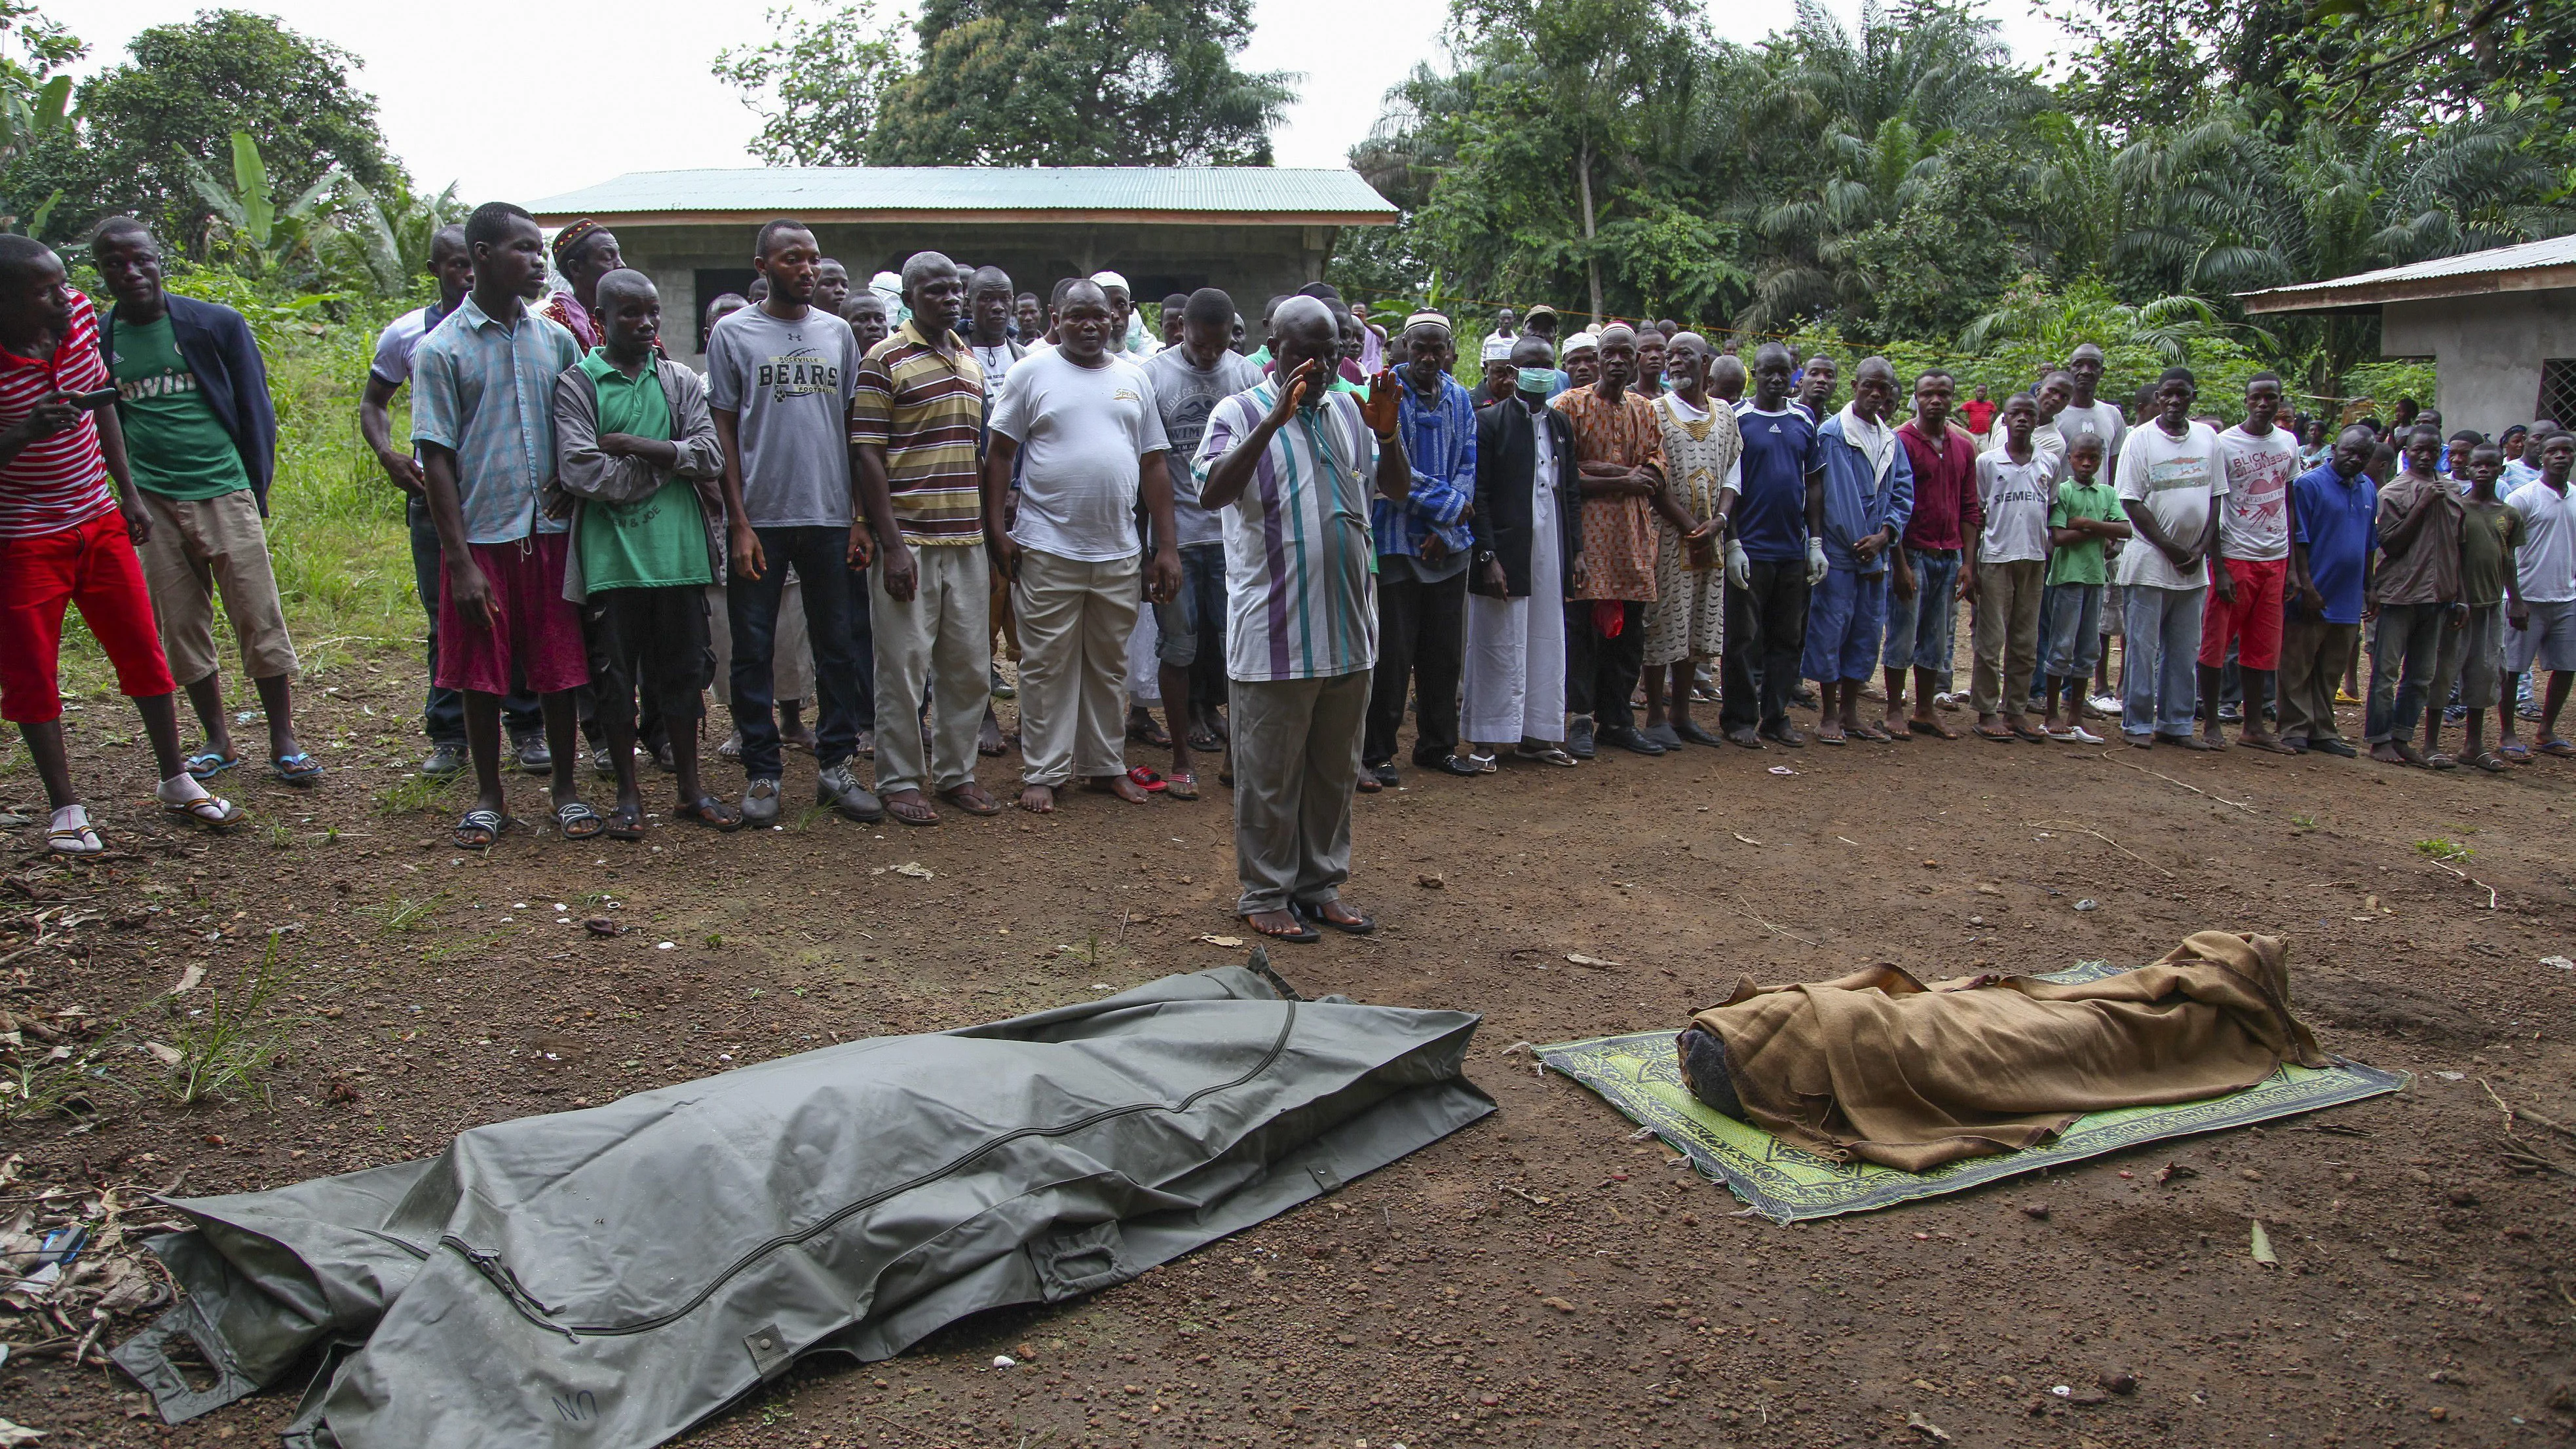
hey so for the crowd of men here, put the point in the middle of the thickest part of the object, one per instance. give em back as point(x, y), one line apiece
point(873, 496)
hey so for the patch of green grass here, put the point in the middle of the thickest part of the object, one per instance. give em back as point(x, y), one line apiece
point(227, 1048)
point(2440, 848)
point(402, 913)
point(413, 793)
point(280, 838)
point(2304, 822)
point(464, 946)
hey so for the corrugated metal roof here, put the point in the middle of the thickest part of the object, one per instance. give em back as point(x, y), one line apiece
point(2527, 266)
point(823, 192)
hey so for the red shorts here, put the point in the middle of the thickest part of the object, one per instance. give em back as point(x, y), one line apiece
point(537, 630)
point(90, 564)
point(2252, 619)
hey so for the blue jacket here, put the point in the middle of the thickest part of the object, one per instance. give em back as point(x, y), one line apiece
point(1857, 504)
point(217, 346)
point(1440, 443)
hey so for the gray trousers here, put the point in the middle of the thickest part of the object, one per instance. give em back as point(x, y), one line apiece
point(1296, 746)
point(2312, 659)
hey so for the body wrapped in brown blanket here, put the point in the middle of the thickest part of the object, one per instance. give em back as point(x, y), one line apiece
point(1881, 1067)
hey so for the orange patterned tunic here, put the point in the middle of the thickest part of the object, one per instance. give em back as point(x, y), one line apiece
point(1619, 535)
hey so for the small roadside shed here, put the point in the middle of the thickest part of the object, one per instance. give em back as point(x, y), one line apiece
point(2500, 326)
point(1256, 231)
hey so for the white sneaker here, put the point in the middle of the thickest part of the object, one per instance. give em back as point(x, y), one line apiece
point(2075, 735)
point(2103, 706)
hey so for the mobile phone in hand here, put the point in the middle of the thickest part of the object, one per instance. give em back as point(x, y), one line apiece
point(93, 401)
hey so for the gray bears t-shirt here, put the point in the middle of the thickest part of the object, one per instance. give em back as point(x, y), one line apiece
point(1186, 396)
point(791, 384)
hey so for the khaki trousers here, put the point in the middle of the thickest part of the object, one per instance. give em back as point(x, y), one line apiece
point(2006, 634)
point(1074, 620)
point(1296, 765)
point(940, 641)
point(2313, 653)
point(197, 549)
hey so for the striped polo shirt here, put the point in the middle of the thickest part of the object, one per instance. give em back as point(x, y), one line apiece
point(927, 412)
point(1300, 565)
point(60, 481)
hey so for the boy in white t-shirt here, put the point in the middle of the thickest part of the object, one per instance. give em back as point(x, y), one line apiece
point(2170, 481)
point(2254, 531)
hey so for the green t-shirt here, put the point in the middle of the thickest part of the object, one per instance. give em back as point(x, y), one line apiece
point(2081, 563)
point(655, 543)
point(2489, 533)
point(177, 446)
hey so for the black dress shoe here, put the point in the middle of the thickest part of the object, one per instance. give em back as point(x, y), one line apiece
point(1691, 733)
point(2333, 747)
point(1631, 739)
point(1384, 773)
point(1578, 738)
point(1452, 765)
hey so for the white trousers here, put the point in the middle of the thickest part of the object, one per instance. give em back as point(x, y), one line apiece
point(1515, 674)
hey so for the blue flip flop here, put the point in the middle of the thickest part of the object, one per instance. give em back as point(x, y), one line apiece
point(296, 769)
point(207, 764)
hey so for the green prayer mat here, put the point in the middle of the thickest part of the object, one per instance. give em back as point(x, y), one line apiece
point(1638, 1074)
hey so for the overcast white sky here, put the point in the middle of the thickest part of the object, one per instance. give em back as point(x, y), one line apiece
point(512, 132)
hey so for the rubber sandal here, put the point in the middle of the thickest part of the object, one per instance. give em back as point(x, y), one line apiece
point(1367, 784)
point(1999, 736)
point(296, 769)
point(1546, 755)
point(1872, 733)
point(978, 803)
point(212, 811)
point(206, 765)
point(2439, 761)
point(1151, 732)
point(81, 839)
point(710, 812)
point(2488, 761)
point(487, 824)
point(1181, 785)
point(1304, 935)
point(1205, 741)
point(624, 824)
point(1820, 737)
point(911, 812)
point(1485, 764)
point(2516, 753)
point(573, 814)
point(1314, 916)
point(1146, 780)
point(1933, 728)
point(2558, 749)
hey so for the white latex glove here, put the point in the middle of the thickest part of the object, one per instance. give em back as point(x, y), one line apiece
point(1739, 565)
point(1815, 561)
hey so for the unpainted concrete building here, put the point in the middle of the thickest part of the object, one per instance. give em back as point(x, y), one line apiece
point(1256, 231)
point(2500, 326)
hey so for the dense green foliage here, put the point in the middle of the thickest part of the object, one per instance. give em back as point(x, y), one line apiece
point(1909, 179)
point(173, 107)
point(1011, 83)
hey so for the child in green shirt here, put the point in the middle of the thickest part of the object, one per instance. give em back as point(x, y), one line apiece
point(2086, 516)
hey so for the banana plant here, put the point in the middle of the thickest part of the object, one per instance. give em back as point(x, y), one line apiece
point(248, 221)
point(386, 239)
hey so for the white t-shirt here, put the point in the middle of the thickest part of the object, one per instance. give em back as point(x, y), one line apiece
point(1081, 431)
point(2101, 420)
point(2256, 524)
point(2545, 565)
point(2180, 480)
point(2016, 497)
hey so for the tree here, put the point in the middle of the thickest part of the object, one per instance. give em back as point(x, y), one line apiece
point(249, 225)
point(35, 101)
point(187, 88)
point(1081, 83)
point(818, 82)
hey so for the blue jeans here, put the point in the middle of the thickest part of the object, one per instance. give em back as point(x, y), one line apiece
point(2074, 630)
point(821, 559)
point(1200, 603)
point(2163, 671)
point(1920, 629)
point(442, 716)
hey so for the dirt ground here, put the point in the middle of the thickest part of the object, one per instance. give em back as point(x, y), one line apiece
point(2423, 1296)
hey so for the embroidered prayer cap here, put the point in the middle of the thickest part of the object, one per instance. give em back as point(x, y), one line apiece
point(1427, 319)
point(1498, 349)
point(572, 236)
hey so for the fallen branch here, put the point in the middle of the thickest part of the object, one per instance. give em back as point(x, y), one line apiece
point(2513, 1114)
point(2464, 875)
point(2071, 826)
point(2170, 780)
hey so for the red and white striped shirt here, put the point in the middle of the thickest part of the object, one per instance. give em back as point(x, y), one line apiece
point(58, 482)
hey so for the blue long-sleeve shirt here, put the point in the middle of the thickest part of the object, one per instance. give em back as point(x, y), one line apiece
point(1440, 443)
point(1857, 503)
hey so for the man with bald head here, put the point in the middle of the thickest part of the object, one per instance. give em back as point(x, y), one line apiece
point(1686, 624)
point(1293, 459)
point(914, 425)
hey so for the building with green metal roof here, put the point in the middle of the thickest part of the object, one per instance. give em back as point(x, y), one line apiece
point(1256, 231)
